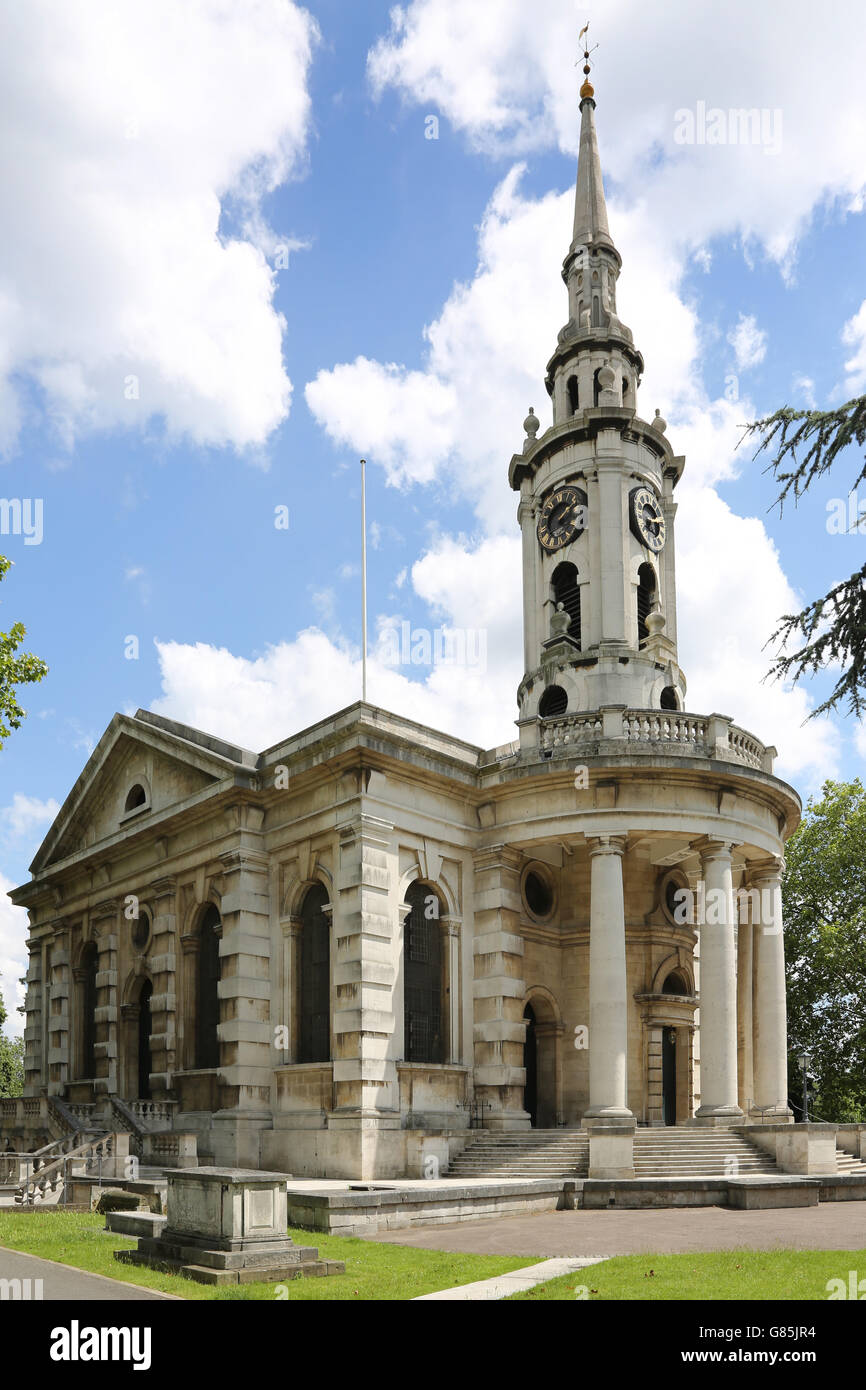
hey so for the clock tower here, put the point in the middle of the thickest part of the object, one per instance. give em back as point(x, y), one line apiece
point(596, 500)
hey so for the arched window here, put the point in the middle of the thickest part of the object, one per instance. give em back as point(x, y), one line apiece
point(573, 395)
point(596, 388)
point(207, 1048)
point(668, 699)
point(566, 591)
point(626, 398)
point(89, 967)
point(423, 994)
point(676, 983)
point(314, 1039)
point(135, 797)
point(553, 701)
point(646, 597)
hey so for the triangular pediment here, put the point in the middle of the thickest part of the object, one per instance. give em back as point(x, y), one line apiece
point(142, 759)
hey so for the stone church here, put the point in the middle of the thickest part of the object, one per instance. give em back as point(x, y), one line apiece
point(337, 956)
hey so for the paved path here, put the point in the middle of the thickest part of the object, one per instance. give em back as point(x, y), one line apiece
point(484, 1290)
point(830, 1226)
point(62, 1282)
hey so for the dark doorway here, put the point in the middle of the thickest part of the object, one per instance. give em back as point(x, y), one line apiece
point(530, 1062)
point(669, 1075)
point(315, 1001)
point(144, 1059)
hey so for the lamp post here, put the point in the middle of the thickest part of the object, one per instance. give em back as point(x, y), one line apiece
point(804, 1067)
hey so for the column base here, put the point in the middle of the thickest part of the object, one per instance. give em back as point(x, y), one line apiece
point(771, 1115)
point(718, 1115)
point(605, 1112)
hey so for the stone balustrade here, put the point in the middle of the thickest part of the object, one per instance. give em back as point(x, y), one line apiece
point(653, 731)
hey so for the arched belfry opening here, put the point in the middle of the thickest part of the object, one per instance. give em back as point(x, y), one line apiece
point(565, 591)
point(314, 1037)
point(207, 1016)
point(573, 391)
point(423, 977)
point(646, 597)
point(554, 701)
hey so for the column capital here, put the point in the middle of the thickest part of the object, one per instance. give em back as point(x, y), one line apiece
point(162, 888)
point(606, 844)
point(769, 870)
point(713, 847)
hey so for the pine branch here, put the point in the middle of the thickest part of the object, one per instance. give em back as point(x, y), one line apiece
point(842, 640)
point(823, 434)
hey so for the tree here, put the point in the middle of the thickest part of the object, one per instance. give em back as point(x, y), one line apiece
point(829, 630)
point(15, 669)
point(824, 904)
point(11, 1060)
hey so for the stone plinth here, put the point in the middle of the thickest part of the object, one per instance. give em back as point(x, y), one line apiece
point(227, 1226)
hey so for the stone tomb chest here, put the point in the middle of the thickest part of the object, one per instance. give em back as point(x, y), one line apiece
point(227, 1226)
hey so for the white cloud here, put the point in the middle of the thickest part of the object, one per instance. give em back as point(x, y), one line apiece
point(125, 133)
point(26, 814)
point(854, 335)
point(13, 957)
point(504, 84)
point(748, 341)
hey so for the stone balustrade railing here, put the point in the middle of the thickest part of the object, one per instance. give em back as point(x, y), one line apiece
point(657, 731)
point(154, 1114)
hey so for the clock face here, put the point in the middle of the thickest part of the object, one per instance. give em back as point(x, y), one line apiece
point(647, 518)
point(562, 518)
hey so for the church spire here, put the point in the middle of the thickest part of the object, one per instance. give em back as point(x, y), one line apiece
point(590, 212)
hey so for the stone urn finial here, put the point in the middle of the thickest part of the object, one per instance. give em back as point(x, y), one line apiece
point(655, 623)
point(659, 423)
point(531, 425)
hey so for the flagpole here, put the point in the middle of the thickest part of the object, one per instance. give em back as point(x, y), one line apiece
point(364, 580)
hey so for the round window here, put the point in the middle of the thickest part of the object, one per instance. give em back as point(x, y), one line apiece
point(538, 894)
point(141, 929)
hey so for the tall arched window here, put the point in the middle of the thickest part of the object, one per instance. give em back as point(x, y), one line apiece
point(566, 591)
point(314, 1040)
point(89, 967)
point(573, 395)
point(596, 388)
point(207, 1048)
point(423, 994)
point(145, 1061)
point(646, 597)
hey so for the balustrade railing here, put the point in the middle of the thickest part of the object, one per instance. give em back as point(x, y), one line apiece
point(644, 730)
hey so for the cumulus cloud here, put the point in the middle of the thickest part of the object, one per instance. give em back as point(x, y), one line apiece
point(854, 336)
point(25, 814)
point(122, 298)
point(748, 341)
point(13, 957)
point(503, 84)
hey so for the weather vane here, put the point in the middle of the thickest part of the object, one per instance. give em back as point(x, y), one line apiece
point(586, 52)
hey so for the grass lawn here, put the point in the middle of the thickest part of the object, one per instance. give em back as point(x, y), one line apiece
point(723, 1274)
point(372, 1271)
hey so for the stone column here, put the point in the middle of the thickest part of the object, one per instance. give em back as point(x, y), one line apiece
point(745, 990)
point(498, 990)
point(366, 1048)
point(163, 1003)
point(292, 929)
point(104, 926)
point(771, 1027)
point(608, 986)
point(58, 1012)
point(451, 950)
point(33, 1051)
point(718, 1022)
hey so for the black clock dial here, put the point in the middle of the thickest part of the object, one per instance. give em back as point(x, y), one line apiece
point(562, 518)
point(647, 518)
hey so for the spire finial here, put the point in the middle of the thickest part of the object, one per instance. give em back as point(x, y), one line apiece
point(587, 90)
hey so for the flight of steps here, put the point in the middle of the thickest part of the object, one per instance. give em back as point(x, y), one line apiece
point(532, 1153)
point(847, 1163)
point(697, 1153)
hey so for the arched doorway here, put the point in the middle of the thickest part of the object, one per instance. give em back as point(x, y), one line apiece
point(144, 1052)
point(530, 1062)
point(669, 1075)
point(542, 1059)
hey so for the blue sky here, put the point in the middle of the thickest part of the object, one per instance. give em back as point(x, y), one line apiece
point(161, 171)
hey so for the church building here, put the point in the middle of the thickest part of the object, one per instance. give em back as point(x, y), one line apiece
point(339, 956)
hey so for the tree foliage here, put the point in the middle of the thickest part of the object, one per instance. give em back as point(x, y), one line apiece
point(11, 1060)
point(824, 901)
point(16, 668)
point(829, 630)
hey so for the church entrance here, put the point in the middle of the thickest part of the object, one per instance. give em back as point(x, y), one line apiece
point(144, 1056)
point(530, 1062)
point(669, 1075)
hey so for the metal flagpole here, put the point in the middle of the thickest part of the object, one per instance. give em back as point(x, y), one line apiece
point(364, 580)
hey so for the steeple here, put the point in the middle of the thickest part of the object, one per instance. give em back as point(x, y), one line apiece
point(596, 500)
point(590, 211)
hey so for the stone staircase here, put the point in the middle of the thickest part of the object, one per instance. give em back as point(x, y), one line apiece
point(847, 1163)
point(533, 1153)
point(697, 1153)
